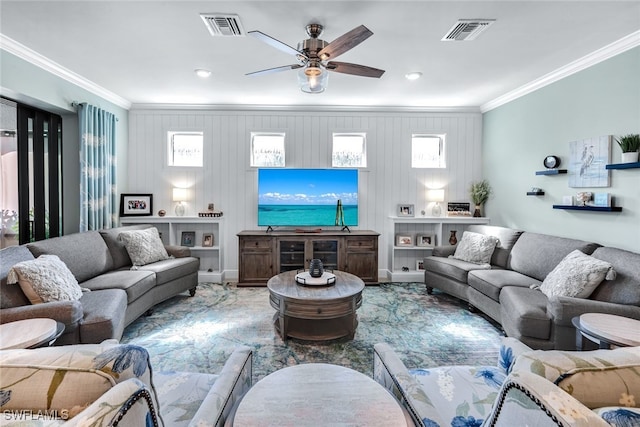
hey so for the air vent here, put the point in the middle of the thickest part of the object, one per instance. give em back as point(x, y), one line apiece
point(467, 29)
point(222, 24)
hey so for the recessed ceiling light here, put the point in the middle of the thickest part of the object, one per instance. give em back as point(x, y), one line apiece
point(202, 73)
point(414, 75)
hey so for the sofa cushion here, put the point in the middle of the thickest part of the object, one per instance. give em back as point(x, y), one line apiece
point(507, 237)
point(451, 267)
point(104, 315)
point(144, 246)
point(624, 289)
point(596, 378)
point(11, 295)
point(63, 371)
point(491, 282)
point(577, 276)
point(475, 247)
point(45, 279)
point(134, 282)
point(536, 254)
point(524, 313)
point(86, 254)
point(116, 246)
point(171, 269)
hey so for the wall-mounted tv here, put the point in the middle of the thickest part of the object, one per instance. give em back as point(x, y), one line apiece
point(307, 197)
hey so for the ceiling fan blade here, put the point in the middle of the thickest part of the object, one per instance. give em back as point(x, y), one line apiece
point(275, 70)
point(345, 42)
point(275, 43)
point(355, 69)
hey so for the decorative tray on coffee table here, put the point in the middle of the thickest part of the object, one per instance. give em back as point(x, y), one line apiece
point(327, 279)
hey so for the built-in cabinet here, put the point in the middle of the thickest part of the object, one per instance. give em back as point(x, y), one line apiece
point(171, 229)
point(405, 254)
point(263, 255)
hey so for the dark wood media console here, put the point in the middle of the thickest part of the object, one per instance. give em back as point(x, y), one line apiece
point(263, 255)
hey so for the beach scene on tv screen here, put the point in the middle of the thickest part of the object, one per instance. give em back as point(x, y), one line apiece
point(307, 197)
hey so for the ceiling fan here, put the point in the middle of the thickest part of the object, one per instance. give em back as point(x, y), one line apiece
point(315, 57)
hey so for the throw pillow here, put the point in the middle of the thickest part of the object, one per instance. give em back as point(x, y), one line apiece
point(577, 275)
point(475, 247)
point(45, 279)
point(144, 246)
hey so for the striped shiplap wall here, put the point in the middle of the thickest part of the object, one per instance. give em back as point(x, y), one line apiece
point(227, 180)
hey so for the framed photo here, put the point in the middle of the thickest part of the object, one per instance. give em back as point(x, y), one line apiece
point(405, 210)
point(188, 238)
point(420, 264)
point(136, 204)
point(426, 240)
point(404, 240)
point(207, 239)
point(588, 159)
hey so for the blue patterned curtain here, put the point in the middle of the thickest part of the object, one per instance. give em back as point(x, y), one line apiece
point(98, 201)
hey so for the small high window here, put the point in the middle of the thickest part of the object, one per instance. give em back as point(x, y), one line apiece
point(349, 150)
point(427, 151)
point(267, 149)
point(185, 149)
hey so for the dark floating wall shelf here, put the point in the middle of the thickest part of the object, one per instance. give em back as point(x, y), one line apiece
point(589, 208)
point(551, 172)
point(624, 165)
point(535, 193)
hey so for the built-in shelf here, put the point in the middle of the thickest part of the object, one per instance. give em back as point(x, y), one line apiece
point(589, 208)
point(535, 193)
point(633, 165)
point(551, 172)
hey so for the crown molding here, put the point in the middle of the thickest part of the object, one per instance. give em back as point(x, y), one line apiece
point(602, 54)
point(305, 108)
point(21, 51)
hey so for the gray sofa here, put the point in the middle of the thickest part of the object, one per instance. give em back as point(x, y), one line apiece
point(100, 262)
point(522, 259)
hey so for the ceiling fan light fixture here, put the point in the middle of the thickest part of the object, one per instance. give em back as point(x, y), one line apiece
point(313, 79)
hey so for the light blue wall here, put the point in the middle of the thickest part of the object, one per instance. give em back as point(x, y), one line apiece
point(26, 83)
point(601, 100)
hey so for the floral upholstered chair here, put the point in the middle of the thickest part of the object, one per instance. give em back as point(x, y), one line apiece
point(111, 384)
point(526, 387)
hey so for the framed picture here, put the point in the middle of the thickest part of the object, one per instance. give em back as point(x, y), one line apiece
point(207, 239)
point(405, 210)
point(404, 240)
point(136, 204)
point(420, 264)
point(588, 159)
point(188, 238)
point(426, 240)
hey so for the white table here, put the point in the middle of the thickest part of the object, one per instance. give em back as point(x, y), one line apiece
point(29, 333)
point(318, 394)
point(607, 330)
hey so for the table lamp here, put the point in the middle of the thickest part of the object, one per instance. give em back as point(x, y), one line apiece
point(436, 196)
point(179, 195)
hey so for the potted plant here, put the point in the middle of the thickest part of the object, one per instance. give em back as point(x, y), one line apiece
point(629, 145)
point(479, 192)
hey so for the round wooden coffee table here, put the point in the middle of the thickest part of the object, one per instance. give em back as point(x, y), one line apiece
point(318, 394)
point(607, 330)
point(29, 333)
point(315, 312)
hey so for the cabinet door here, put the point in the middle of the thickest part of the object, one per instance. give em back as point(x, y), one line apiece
point(361, 257)
point(327, 252)
point(291, 255)
point(256, 259)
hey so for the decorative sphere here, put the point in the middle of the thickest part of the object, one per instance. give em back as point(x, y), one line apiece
point(162, 212)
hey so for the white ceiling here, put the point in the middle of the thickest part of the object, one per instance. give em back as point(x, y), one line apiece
point(146, 51)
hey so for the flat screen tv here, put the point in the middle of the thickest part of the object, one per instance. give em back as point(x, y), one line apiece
point(307, 197)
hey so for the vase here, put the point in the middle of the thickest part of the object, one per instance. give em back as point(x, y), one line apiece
point(477, 213)
point(453, 240)
point(316, 268)
point(630, 157)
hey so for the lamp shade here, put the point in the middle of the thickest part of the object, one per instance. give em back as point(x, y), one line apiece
point(179, 194)
point(436, 195)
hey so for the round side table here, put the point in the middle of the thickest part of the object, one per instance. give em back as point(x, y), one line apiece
point(29, 333)
point(606, 330)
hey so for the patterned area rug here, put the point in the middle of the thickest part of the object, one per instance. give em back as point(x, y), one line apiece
point(198, 334)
